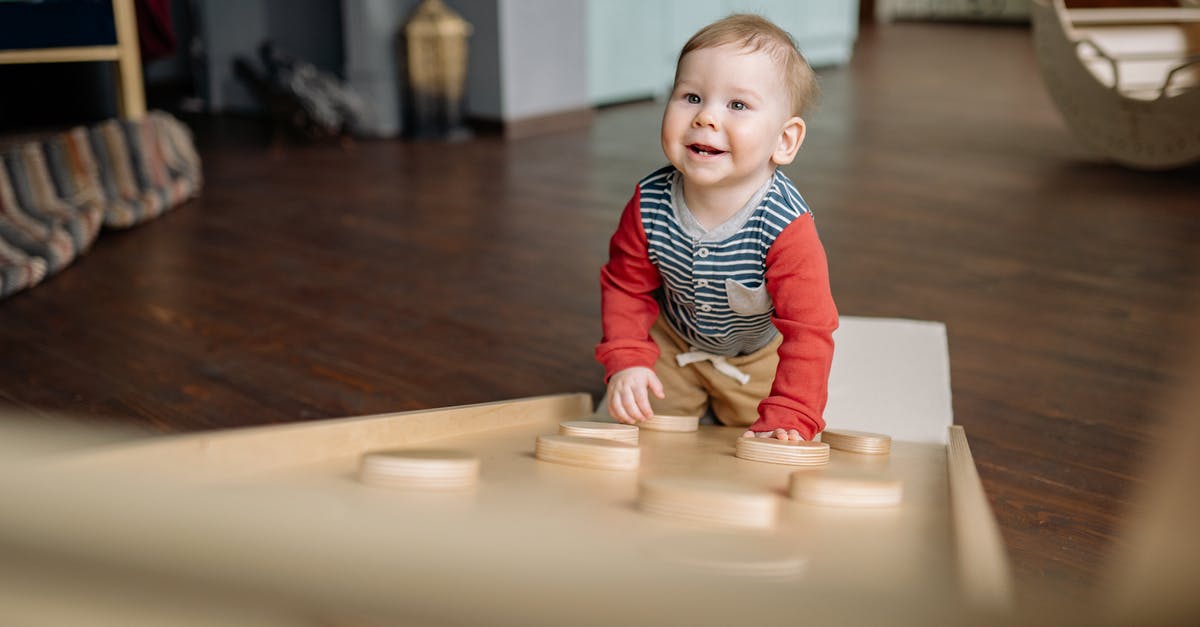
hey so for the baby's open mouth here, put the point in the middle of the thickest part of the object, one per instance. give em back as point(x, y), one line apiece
point(704, 149)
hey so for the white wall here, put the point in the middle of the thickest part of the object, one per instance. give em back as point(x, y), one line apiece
point(543, 52)
point(527, 58)
point(626, 57)
point(632, 45)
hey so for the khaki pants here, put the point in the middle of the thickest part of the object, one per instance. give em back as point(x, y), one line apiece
point(689, 389)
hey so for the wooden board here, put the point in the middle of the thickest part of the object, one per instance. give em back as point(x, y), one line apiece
point(281, 514)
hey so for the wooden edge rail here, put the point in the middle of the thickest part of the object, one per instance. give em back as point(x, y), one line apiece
point(984, 571)
point(247, 451)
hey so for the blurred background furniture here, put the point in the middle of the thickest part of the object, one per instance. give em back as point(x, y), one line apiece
point(1125, 79)
point(65, 31)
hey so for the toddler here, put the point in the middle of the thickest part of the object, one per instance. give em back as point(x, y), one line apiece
point(716, 291)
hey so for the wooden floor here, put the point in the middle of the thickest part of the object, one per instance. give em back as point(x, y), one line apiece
point(324, 283)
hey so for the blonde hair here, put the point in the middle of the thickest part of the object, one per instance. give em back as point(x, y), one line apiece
point(756, 33)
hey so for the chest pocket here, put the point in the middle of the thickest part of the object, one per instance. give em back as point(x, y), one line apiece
point(748, 301)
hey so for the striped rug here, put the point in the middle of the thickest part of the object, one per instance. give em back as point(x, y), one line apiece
point(56, 194)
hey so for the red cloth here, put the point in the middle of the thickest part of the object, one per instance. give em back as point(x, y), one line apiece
point(627, 305)
point(797, 278)
point(156, 34)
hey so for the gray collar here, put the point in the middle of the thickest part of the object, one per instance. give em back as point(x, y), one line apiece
point(692, 227)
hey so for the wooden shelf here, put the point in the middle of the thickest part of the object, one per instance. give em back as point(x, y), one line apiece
point(61, 55)
point(131, 95)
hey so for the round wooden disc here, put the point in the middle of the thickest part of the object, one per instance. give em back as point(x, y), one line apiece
point(587, 452)
point(708, 501)
point(731, 554)
point(596, 429)
point(857, 441)
point(419, 468)
point(671, 423)
point(845, 489)
point(791, 452)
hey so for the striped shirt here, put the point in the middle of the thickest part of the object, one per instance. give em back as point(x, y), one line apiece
point(727, 291)
point(715, 293)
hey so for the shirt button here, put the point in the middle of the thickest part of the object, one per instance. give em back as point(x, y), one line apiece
point(703, 252)
point(701, 282)
point(706, 307)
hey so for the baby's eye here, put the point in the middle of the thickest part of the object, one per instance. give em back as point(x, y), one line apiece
point(692, 99)
point(737, 105)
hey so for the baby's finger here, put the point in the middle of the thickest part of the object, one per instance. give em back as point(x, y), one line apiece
point(656, 386)
point(643, 403)
point(632, 403)
point(616, 409)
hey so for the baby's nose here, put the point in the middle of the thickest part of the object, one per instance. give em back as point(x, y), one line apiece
point(704, 118)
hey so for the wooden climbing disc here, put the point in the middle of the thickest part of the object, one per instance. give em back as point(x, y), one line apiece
point(430, 469)
point(791, 452)
point(845, 489)
point(680, 424)
point(731, 553)
point(605, 430)
point(708, 501)
point(587, 452)
point(857, 441)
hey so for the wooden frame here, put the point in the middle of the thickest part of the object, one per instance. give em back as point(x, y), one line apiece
point(534, 538)
point(131, 97)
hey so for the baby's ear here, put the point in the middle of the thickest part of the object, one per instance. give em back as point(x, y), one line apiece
point(790, 139)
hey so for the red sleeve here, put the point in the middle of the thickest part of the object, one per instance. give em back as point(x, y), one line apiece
point(627, 305)
point(798, 282)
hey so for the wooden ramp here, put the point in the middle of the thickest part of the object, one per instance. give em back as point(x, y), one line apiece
point(273, 526)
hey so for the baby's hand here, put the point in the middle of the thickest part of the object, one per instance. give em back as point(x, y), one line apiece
point(627, 399)
point(778, 434)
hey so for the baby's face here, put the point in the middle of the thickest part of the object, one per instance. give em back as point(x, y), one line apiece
point(725, 117)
